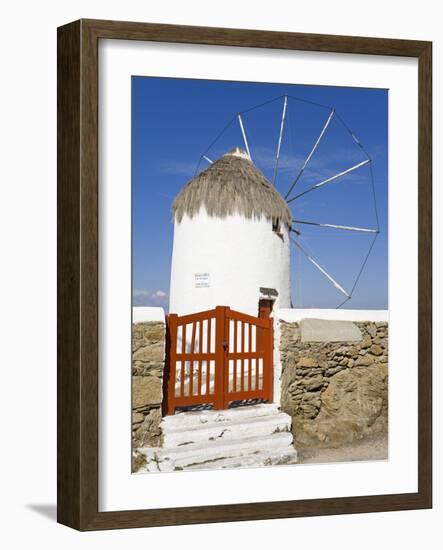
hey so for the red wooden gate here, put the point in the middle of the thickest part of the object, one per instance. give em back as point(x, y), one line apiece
point(217, 357)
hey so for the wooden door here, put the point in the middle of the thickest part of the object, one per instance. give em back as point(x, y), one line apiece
point(265, 308)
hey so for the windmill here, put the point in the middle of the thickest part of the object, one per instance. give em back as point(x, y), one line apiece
point(237, 223)
point(313, 158)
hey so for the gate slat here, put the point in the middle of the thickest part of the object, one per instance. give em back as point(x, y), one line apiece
point(220, 357)
point(208, 362)
point(242, 359)
point(235, 350)
point(191, 362)
point(208, 344)
point(171, 365)
point(208, 377)
point(183, 364)
point(257, 373)
point(199, 363)
point(250, 360)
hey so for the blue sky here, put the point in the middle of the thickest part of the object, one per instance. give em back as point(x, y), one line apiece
point(175, 121)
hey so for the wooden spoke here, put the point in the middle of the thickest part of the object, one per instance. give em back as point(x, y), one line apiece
point(308, 158)
point(282, 125)
point(321, 269)
point(332, 178)
point(335, 226)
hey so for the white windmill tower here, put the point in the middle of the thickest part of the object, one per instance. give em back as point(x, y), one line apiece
point(231, 240)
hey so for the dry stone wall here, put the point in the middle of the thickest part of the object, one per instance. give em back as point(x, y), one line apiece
point(336, 392)
point(148, 360)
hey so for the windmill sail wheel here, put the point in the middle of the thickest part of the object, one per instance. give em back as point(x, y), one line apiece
point(325, 175)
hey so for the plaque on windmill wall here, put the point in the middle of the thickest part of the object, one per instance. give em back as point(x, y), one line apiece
point(202, 280)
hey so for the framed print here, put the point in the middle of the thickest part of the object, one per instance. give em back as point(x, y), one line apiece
point(244, 275)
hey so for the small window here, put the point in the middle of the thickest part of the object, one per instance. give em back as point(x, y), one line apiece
point(276, 225)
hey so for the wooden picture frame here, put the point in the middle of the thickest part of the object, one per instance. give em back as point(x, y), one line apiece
point(78, 274)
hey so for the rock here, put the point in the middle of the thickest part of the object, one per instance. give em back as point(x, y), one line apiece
point(339, 352)
point(152, 368)
point(307, 363)
point(334, 370)
point(148, 332)
point(364, 361)
point(138, 462)
point(150, 352)
point(366, 342)
point(376, 350)
point(295, 390)
point(289, 373)
point(149, 434)
point(352, 351)
point(146, 391)
point(312, 372)
point(310, 405)
point(137, 418)
point(372, 329)
point(312, 384)
point(353, 406)
point(384, 343)
point(351, 363)
point(290, 333)
point(309, 410)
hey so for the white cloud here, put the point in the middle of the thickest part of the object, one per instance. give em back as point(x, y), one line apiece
point(159, 294)
point(141, 293)
point(178, 168)
point(142, 297)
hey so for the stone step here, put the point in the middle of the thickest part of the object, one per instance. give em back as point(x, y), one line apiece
point(166, 459)
point(234, 428)
point(256, 460)
point(187, 419)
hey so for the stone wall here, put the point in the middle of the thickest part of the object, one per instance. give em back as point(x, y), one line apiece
point(148, 360)
point(336, 392)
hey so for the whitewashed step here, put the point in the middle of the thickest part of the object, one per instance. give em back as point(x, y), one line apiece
point(188, 456)
point(186, 419)
point(234, 428)
point(256, 460)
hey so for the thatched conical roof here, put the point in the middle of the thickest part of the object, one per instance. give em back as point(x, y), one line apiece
point(232, 185)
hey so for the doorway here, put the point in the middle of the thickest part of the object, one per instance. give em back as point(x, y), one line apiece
point(265, 308)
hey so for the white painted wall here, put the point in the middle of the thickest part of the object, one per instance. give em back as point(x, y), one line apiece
point(240, 256)
point(144, 314)
point(294, 315)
